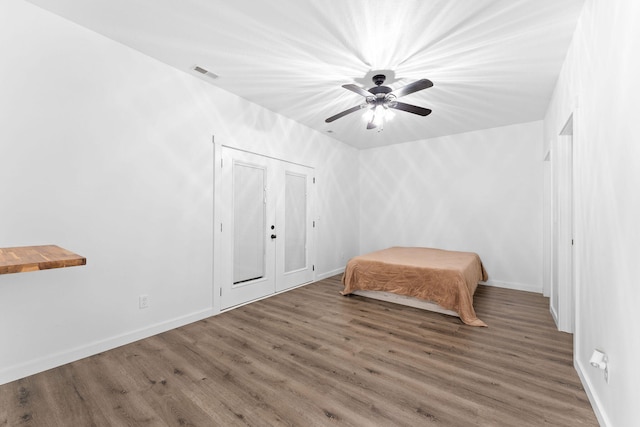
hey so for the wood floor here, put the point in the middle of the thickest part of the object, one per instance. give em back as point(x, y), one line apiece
point(311, 357)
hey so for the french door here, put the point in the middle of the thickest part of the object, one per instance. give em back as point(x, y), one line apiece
point(265, 226)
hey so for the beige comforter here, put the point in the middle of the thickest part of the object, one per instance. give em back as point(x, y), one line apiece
point(448, 278)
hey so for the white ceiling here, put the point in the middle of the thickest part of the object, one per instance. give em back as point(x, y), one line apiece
point(492, 62)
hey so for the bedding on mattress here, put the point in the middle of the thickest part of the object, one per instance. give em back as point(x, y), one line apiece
point(448, 278)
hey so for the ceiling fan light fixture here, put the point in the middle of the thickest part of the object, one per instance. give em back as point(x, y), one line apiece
point(368, 115)
point(390, 100)
point(379, 115)
point(380, 100)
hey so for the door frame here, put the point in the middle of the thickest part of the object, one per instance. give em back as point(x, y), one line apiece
point(564, 249)
point(217, 222)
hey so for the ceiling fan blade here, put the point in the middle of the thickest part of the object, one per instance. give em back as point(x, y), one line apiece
point(413, 87)
point(344, 113)
point(411, 109)
point(357, 89)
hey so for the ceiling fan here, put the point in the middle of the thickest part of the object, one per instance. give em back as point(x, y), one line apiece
point(380, 98)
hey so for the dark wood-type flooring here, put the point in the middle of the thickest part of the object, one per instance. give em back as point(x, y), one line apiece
point(311, 357)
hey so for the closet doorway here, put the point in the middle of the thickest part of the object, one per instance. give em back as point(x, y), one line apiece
point(562, 296)
point(265, 226)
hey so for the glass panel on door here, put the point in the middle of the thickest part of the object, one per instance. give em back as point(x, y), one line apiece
point(249, 218)
point(295, 222)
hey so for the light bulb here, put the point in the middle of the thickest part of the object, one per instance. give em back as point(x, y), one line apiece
point(368, 115)
point(378, 117)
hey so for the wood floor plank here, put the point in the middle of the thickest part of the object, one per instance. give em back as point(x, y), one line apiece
point(312, 357)
point(308, 363)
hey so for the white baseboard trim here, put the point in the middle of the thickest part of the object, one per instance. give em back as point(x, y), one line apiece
point(595, 402)
point(330, 273)
point(41, 364)
point(514, 286)
point(554, 315)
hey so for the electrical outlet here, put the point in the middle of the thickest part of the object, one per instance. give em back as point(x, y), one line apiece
point(143, 301)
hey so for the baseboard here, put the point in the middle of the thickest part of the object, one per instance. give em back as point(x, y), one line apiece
point(330, 274)
point(595, 402)
point(515, 286)
point(41, 364)
point(554, 315)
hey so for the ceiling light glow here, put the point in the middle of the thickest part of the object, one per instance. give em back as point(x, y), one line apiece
point(368, 115)
point(378, 117)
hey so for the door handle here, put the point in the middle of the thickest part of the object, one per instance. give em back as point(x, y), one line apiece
point(273, 236)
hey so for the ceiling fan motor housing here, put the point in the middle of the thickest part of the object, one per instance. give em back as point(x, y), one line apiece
point(382, 94)
point(380, 90)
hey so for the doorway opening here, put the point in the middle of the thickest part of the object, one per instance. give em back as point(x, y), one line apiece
point(562, 295)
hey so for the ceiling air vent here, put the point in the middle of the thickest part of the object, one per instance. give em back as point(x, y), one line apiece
point(205, 72)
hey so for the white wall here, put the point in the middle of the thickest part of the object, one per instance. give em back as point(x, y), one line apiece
point(478, 191)
point(599, 84)
point(108, 153)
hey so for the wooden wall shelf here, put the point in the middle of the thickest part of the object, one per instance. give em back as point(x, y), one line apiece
point(34, 258)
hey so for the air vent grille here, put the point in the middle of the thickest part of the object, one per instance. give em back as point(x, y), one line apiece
point(205, 72)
